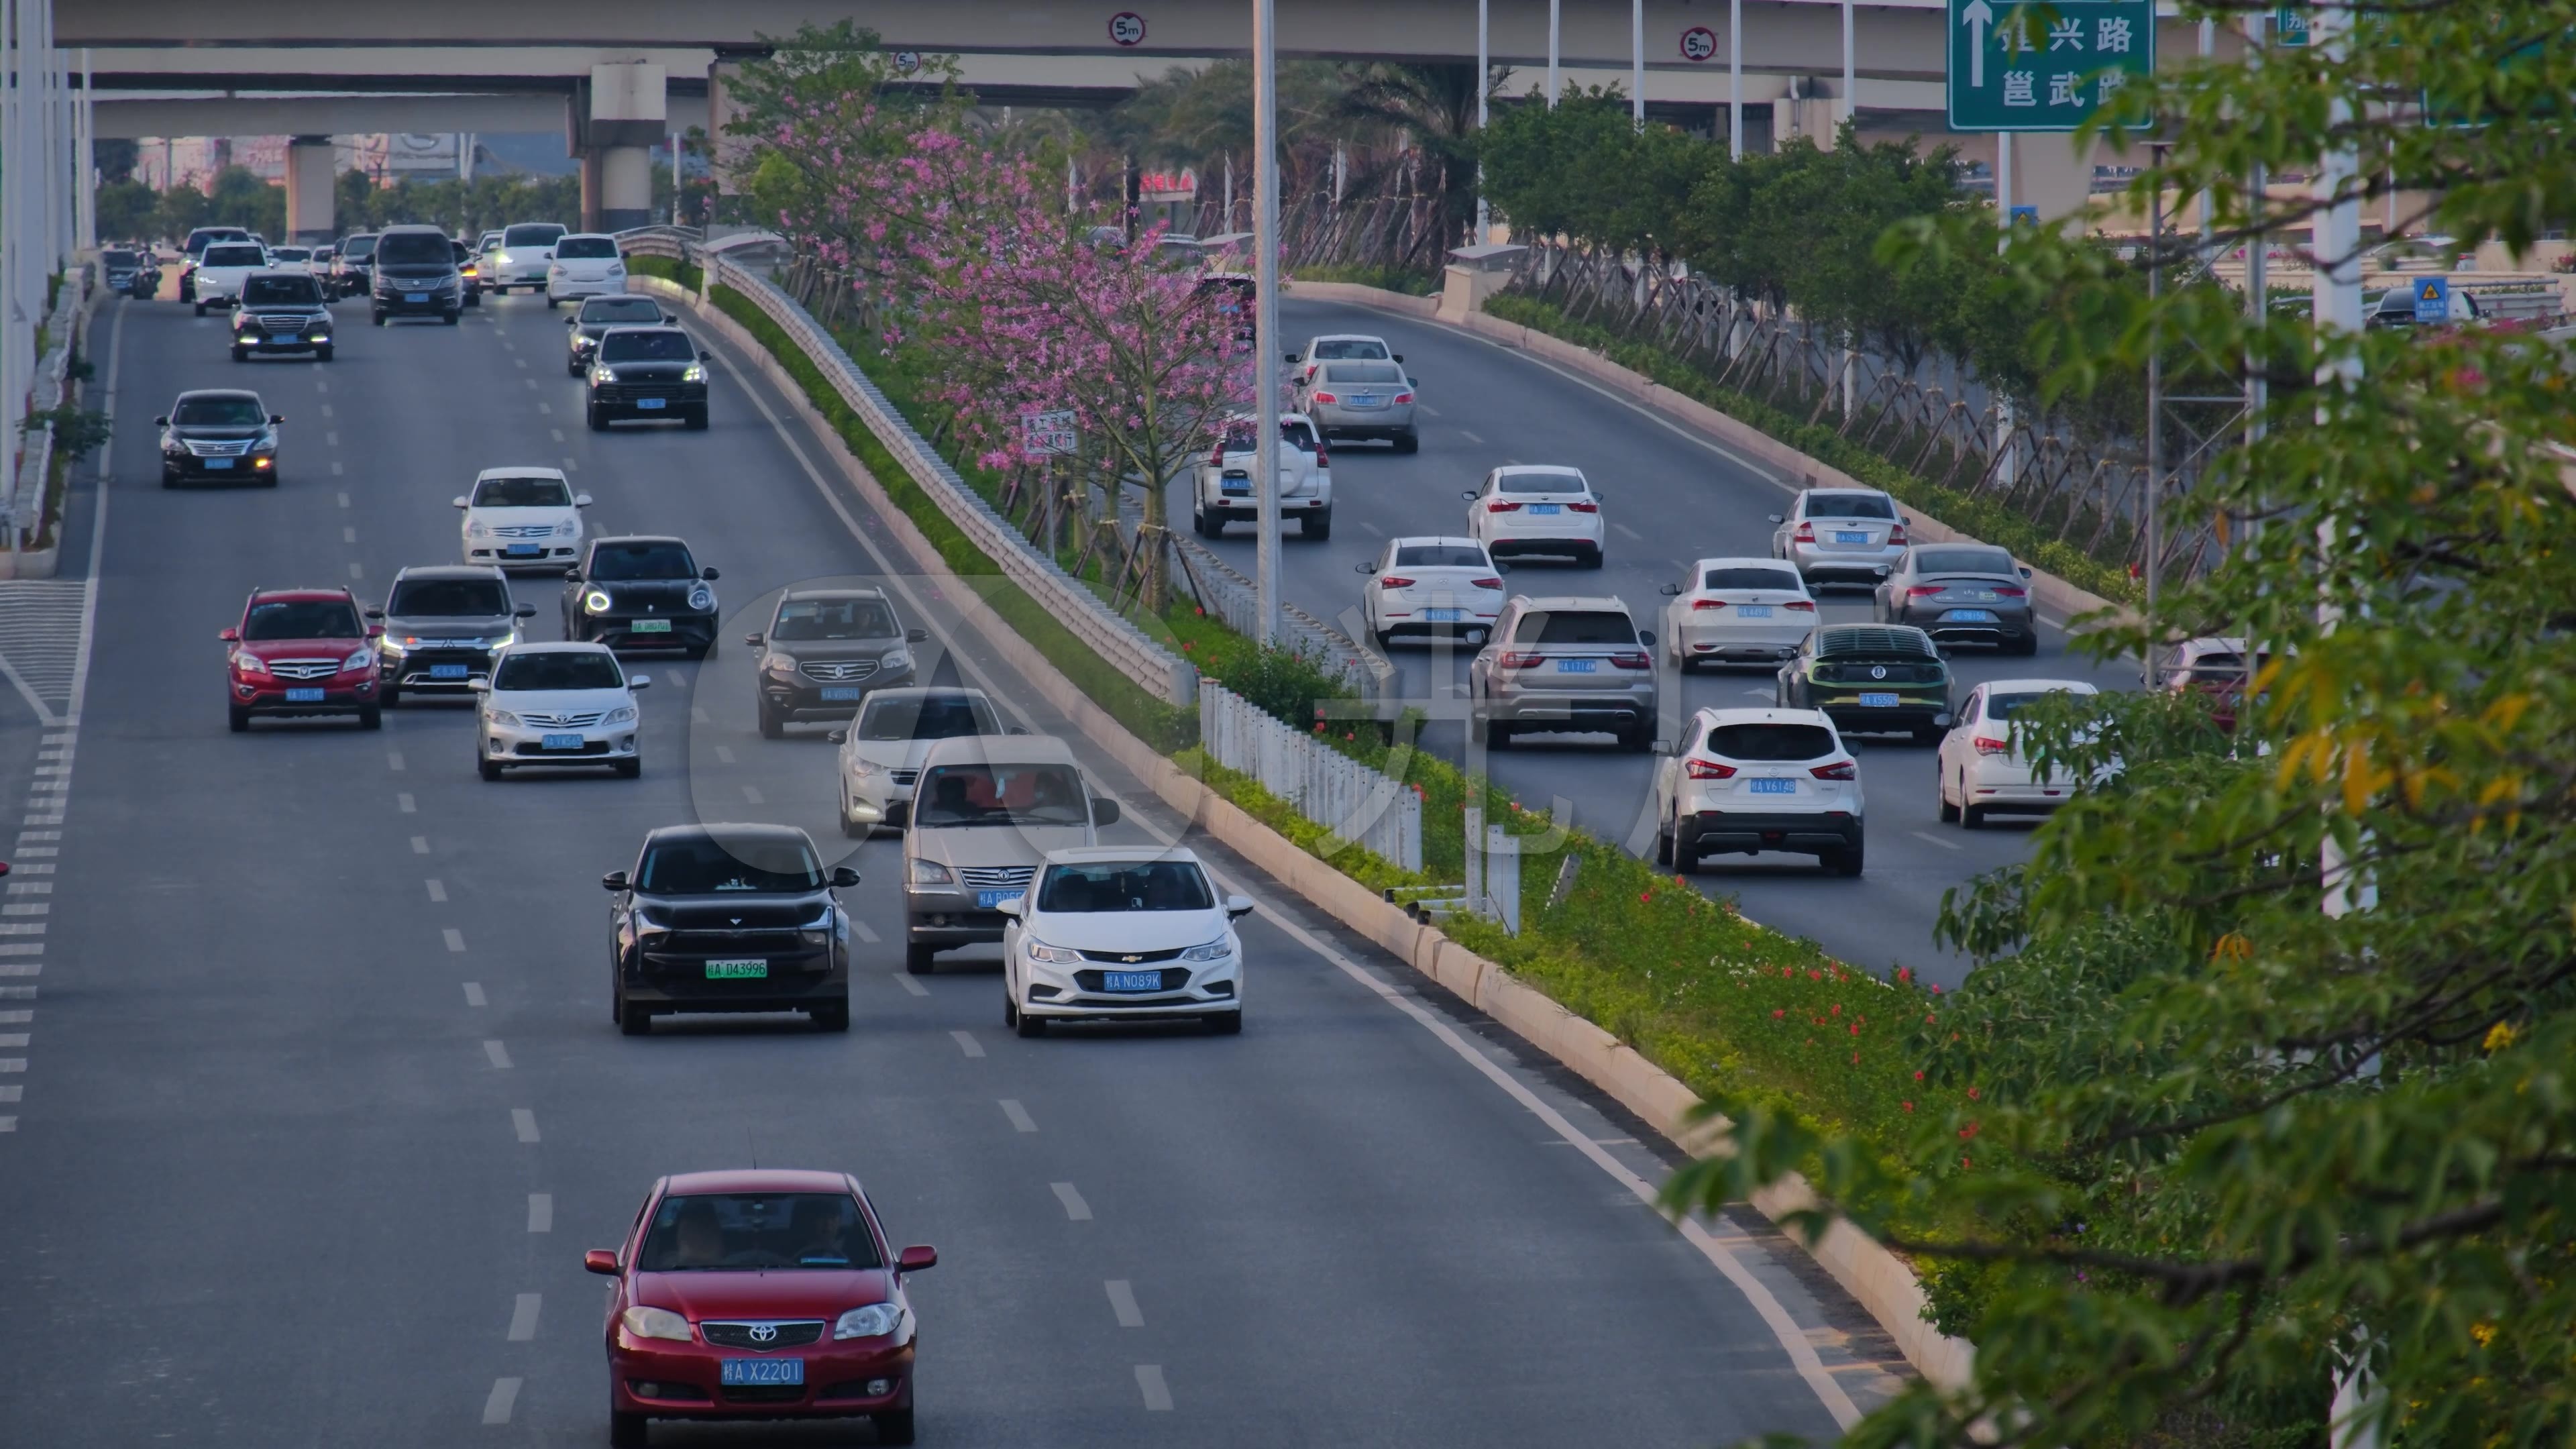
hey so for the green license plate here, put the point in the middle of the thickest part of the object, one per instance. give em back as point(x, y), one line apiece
point(650, 626)
point(737, 970)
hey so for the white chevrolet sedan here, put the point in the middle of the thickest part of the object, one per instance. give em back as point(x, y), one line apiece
point(1982, 768)
point(558, 704)
point(1112, 932)
point(522, 516)
point(1530, 508)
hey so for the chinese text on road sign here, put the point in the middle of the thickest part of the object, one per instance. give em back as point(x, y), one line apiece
point(2044, 67)
point(1047, 434)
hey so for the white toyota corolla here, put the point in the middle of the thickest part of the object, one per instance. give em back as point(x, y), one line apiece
point(520, 516)
point(558, 704)
point(1122, 931)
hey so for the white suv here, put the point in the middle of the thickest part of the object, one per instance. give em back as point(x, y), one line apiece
point(1747, 780)
point(1223, 491)
point(585, 265)
point(518, 517)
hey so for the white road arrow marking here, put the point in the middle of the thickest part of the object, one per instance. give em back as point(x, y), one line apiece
point(1977, 17)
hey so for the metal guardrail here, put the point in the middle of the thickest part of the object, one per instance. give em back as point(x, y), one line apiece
point(1157, 670)
point(1357, 804)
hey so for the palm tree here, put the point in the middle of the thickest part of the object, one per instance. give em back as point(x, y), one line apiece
point(1433, 105)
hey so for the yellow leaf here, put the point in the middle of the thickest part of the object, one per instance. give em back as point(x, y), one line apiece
point(2499, 1036)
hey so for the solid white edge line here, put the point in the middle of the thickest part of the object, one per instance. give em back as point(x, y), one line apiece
point(97, 527)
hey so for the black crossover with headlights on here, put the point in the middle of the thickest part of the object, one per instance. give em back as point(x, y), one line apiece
point(652, 373)
point(824, 650)
point(641, 592)
point(219, 435)
point(729, 918)
point(442, 624)
point(282, 312)
point(415, 276)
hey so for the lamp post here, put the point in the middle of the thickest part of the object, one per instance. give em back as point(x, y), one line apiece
point(1265, 306)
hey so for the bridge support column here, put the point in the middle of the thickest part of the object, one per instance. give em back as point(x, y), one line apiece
point(626, 116)
point(625, 187)
point(309, 182)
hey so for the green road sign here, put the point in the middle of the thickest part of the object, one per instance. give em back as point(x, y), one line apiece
point(2290, 25)
point(2044, 66)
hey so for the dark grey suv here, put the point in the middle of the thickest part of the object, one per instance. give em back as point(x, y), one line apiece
point(442, 624)
point(824, 650)
point(729, 918)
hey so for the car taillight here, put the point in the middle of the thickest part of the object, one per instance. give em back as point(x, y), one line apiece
point(1987, 745)
point(1844, 771)
point(1325, 397)
point(1712, 604)
point(1501, 505)
point(1485, 583)
point(1217, 459)
point(2012, 593)
point(1634, 660)
point(1585, 507)
point(1707, 770)
point(1522, 661)
point(1896, 536)
point(1803, 605)
point(1924, 591)
point(1323, 459)
point(1806, 533)
point(1392, 582)
point(1404, 397)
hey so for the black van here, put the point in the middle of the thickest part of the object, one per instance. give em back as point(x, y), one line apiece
point(416, 276)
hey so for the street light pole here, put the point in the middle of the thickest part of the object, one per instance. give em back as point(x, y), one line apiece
point(1265, 273)
point(1555, 30)
point(1637, 62)
point(1735, 80)
point(2155, 396)
point(1484, 87)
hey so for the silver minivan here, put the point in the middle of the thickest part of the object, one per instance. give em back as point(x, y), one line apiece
point(986, 809)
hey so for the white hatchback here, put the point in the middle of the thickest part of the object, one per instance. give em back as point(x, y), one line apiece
point(1747, 780)
point(519, 517)
point(558, 704)
point(225, 266)
point(1737, 611)
point(1981, 766)
point(1537, 508)
point(1122, 931)
point(527, 249)
point(1427, 587)
point(585, 265)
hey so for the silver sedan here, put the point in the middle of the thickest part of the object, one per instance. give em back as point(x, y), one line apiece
point(1962, 593)
point(1361, 400)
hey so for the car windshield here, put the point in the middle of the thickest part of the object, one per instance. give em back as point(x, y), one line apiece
point(461, 598)
point(1238, 435)
point(116, 258)
point(220, 412)
point(1441, 556)
point(532, 234)
point(1750, 578)
point(1771, 742)
point(235, 256)
point(293, 254)
point(1012, 794)
point(1849, 505)
point(738, 1230)
point(1963, 561)
point(415, 249)
point(280, 292)
point(2227, 667)
point(803, 619)
point(302, 619)
point(357, 248)
point(648, 560)
point(2005, 706)
point(621, 309)
point(1332, 348)
point(926, 717)
point(1377, 372)
point(700, 865)
point(646, 347)
point(585, 248)
point(1125, 885)
point(1542, 481)
point(1590, 626)
point(522, 493)
point(553, 669)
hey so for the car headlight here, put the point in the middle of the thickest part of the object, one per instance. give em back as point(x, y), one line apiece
point(358, 659)
point(930, 872)
point(478, 529)
point(623, 714)
point(874, 1321)
point(396, 647)
point(602, 374)
point(555, 270)
point(655, 1323)
point(1052, 955)
point(896, 659)
point(595, 602)
point(248, 663)
point(499, 641)
point(503, 718)
point(501, 257)
point(567, 529)
point(1216, 950)
point(864, 768)
point(617, 269)
point(702, 600)
point(777, 663)
point(694, 372)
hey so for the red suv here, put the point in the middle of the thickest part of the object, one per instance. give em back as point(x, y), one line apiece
point(302, 652)
point(758, 1295)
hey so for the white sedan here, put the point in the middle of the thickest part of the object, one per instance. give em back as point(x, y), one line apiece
point(1981, 767)
point(1427, 587)
point(1110, 932)
point(558, 704)
point(522, 516)
point(882, 749)
point(1537, 508)
point(1737, 611)
point(585, 265)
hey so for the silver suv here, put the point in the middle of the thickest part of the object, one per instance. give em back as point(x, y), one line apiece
point(1841, 535)
point(1564, 664)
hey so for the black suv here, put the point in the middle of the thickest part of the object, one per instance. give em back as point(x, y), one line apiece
point(221, 435)
point(599, 314)
point(130, 272)
point(1871, 678)
point(281, 312)
point(442, 622)
point(824, 650)
point(353, 265)
point(415, 276)
point(729, 918)
point(641, 592)
point(650, 373)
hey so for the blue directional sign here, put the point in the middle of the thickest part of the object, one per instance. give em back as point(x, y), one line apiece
point(2432, 298)
point(2022, 214)
point(2044, 67)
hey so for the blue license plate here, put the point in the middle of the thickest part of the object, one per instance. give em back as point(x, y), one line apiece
point(415, 297)
point(1848, 536)
point(1444, 616)
point(1971, 616)
point(304, 696)
point(1878, 701)
point(1578, 666)
point(561, 742)
point(987, 900)
point(447, 671)
point(217, 465)
point(1774, 787)
point(524, 550)
point(1546, 510)
point(1366, 400)
point(648, 404)
point(1131, 981)
point(761, 1371)
point(283, 339)
point(1753, 611)
point(841, 693)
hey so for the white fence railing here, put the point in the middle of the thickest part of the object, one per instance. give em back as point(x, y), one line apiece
point(1154, 668)
point(1357, 804)
point(22, 502)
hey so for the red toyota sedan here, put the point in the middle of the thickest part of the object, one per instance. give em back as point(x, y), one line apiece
point(758, 1295)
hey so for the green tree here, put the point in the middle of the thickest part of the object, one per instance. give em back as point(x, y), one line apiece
point(180, 210)
point(2268, 1072)
point(240, 197)
point(126, 210)
point(115, 159)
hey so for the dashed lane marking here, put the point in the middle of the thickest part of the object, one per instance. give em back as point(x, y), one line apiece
point(904, 980)
point(404, 803)
point(523, 1316)
point(496, 1407)
point(1021, 1121)
point(437, 890)
point(455, 938)
point(1149, 1381)
point(420, 845)
point(866, 932)
point(498, 1054)
point(541, 1212)
point(524, 1122)
point(1074, 1207)
point(1122, 1302)
point(1936, 840)
point(474, 994)
point(966, 1041)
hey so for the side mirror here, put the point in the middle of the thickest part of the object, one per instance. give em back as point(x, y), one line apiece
point(1882, 571)
point(1288, 357)
point(1775, 518)
point(1663, 747)
point(1501, 567)
point(752, 639)
point(1238, 907)
point(524, 611)
point(2025, 571)
point(230, 636)
point(1397, 356)
point(572, 576)
point(838, 737)
point(1015, 729)
point(708, 574)
point(161, 422)
point(843, 876)
point(572, 321)
point(1468, 493)
point(277, 417)
point(457, 502)
point(705, 355)
point(1013, 908)
point(375, 631)
point(581, 500)
point(1646, 637)
point(1364, 566)
point(1670, 591)
point(916, 636)
point(639, 681)
point(375, 613)
point(615, 880)
point(600, 1260)
point(480, 686)
point(916, 1258)
point(1104, 812)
